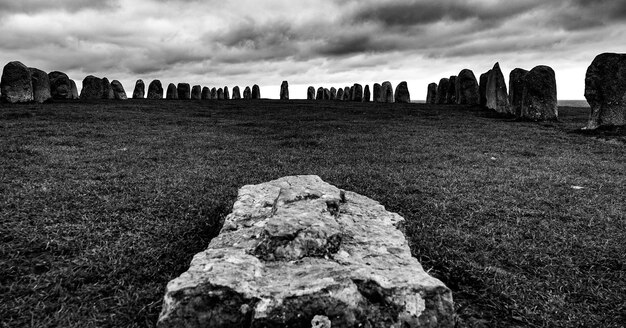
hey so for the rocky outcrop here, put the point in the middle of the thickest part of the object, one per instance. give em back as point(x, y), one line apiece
point(467, 88)
point(184, 91)
point(256, 92)
point(402, 93)
point(247, 94)
point(236, 93)
point(605, 90)
point(41, 85)
point(367, 94)
point(206, 93)
point(172, 93)
point(284, 90)
point(442, 90)
point(140, 90)
point(377, 93)
point(482, 88)
point(155, 90)
point(496, 94)
point(16, 85)
point(93, 87)
point(118, 90)
point(386, 92)
point(516, 90)
point(107, 90)
point(310, 93)
point(451, 92)
point(431, 94)
point(539, 101)
point(74, 92)
point(297, 252)
point(357, 93)
point(226, 93)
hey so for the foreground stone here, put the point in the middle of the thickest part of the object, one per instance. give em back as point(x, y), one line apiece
point(516, 89)
point(467, 88)
point(284, 91)
point(118, 90)
point(605, 90)
point(495, 92)
point(184, 91)
point(16, 85)
point(402, 93)
point(357, 93)
point(386, 92)
point(93, 87)
point(431, 95)
point(297, 252)
point(155, 90)
point(140, 90)
point(539, 102)
point(172, 93)
point(206, 93)
point(41, 85)
point(442, 90)
point(256, 92)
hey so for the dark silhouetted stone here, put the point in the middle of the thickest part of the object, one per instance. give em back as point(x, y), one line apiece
point(16, 84)
point(310, 93)
point(256, 92)
point(466, 88)
point(247, 94)
point(236, 93)
point(284, 91)
point(482, 88)
point(140, 90)
point(184, 91)
point(206, 93)
point(220, 94)
point(386, 92)
point(172, 92)
point(442, 90)
point(605, 90)
point(320, 94)
point(377, 93)
point(41, 85)
point(61, 86)
point(357, 94)
point(93, 88)
point(214, 93)
point(333, 93)
point(516, 90)
point(497, 96)
point(340, 94)
point(366, 94)
point(196, 92)
point(226, 94)
point(118, 90)
point(326, 94)
point(155, 90)
point(346, 94)
point(402, 93)
point(451, 92)
point(431, 95)
point(107, 90)
point(74, 89)
point(539, 102)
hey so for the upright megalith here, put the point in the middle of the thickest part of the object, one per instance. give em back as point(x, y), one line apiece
point(155, 90)
point(184, 91)
point(347, 96)
point(107, 90)
point(357, 94)
point(118, 90)
point(284, 91)
point(377, 93)
point(326, 94)
point(196, 92)
point(140, 90)
point(482, 88)
point(298, 250)
point(319, 95)
point(605, 90)
point(467, 88)
point(401, 94)
point(16, 85)
point(310, 93)
point(366, 93)
point(333, 93)
point(386, 92)
point(220, 94)
point(236, 93)
point(247, 94)
point(74, 92)
point(172, 93)
point(516, 90)
point(539, 100)
point(451, 92)
point(340, 94)
point(256, 92)
point(205, 94)
point(226, 93)
point(497, 96)
point(41, 85)
point(431, 94)
point(61, 85)
point(92, 88)
point(214, 93)
point(442, 90)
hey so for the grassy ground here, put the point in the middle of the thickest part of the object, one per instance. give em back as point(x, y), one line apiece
point(102, 203)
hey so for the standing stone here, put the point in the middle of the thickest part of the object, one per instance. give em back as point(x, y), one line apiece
point(184, 91)
point(107, 91)
point(284, 91)
point(206, 93)
point(297, 251)
point(431, 95)
point(247, 94)
point(482, 88)
point(377, 93)
point(118, 90)
point(140, 90)
point(236, 93)
point(172, 93)
point(196, 92)
point(226, 94)
point(256, 92)
point(310, 93)
point(41, 85)
point(61, 86)
point(466, 88)
point(333, 93)
point(326, 94)
point(346, 94)
point(357, 93)
point(402, 93)
point(497, 96)
point(451, 92)
point(214, 93)
point(386, 92)
point(442, 90)
point(539, 101)
point(320, 94)
point(605, 90)
point(220, 94)
point(366, 94)
point(16, 84)
point(340, 94)
point(155, 90)
point(516, 90)
point(74, 89)
point(92, 88)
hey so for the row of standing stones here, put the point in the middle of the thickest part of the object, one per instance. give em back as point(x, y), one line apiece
point(531, 94)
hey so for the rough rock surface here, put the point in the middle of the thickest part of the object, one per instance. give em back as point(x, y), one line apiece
point(347, 94)
point(516, 89)
point(184, 91)
point(16, 84)
point(539, 101)
point(386, 92)
point(220, 94)
point(482, 88)
point(74, 90)
point(107, 90)
point(172, 93)
point(310, 93)
point(256, 92)
point(236, 93)
point(41, 85)
point(367, 95)
point(402, 93)
point(497, 96)
point(467, 88)
point(118, 90)
point(442, 90)
point(297, 251)
point(605, 90)
point(196, 92)
point(377, 91)
point(226, 93)
point(357, 94)
point(340, 94)
point(206, 93)
point(247, 94)
point(93, 87)
point(326, 94)
point(451, 92)
point(284, 90)
point(333, 93)
point(214, 93)
point(155, 90)
point(431, 95)
point(319, 95)
point(140, 90)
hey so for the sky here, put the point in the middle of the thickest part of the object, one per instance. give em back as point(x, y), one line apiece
point(330, 43)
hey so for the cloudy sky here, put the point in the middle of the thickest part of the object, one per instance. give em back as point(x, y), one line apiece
point(309, 42)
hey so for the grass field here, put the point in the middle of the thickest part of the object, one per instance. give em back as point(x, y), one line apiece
point(102, 203)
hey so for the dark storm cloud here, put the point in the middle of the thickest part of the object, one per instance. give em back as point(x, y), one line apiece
point(37, 6)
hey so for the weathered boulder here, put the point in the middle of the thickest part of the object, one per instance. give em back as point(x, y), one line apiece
point(226, 93)
point(605, 90)
point(107, 92)
point(310, 93)
point(256, 92)
point(357, 94)
point(74, 93)
point(155, 90)
point(516, 89)
point(320, 94)
point(367, 94)
point(377, 93)
point(92, 87)
point(482, 88)
point(333, 93)
point(386, 92)
point(340, 94)
point(467, 88)
point(402, 93)
point(118, 90)
point(184, 91)
point(172, 93)
point(497, 96)
point(196, 92)
point(431, 94)
point(297, 251)
point(41, 85)
point(61, 86)
point(236, 93)
point(247, 94)
point(214, 93)
point(442, 90)
point(326, 94)
point(140, 90)
point(451, 92)
point(284, 91)
point(16, 84)
point(206, 93)
point(539, 101)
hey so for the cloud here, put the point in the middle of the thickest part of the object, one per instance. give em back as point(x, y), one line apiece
point(37, 6)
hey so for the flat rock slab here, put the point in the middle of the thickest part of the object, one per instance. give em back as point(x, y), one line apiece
point(299, 252)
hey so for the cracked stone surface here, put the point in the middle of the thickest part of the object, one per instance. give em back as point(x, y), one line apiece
point(299, 252)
